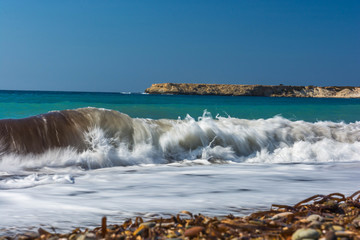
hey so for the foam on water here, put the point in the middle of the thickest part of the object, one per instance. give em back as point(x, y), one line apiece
point(159, 190)
point(124, 141)
point(123, 167)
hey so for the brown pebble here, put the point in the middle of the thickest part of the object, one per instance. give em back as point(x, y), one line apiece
point(42, 231)
point(330, 235)
point(193, 232)
point(344, 233)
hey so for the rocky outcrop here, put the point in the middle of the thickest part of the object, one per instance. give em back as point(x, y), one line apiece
point(253, 90)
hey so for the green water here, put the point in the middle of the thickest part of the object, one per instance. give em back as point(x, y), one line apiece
point(20, 104)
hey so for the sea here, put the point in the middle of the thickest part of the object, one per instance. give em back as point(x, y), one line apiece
point(69, 158)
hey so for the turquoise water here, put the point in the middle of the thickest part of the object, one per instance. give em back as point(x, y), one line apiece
point(20, 104)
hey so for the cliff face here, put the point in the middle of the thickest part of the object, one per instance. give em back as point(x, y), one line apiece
point(253, 90)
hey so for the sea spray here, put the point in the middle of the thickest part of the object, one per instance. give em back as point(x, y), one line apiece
point(105, 138)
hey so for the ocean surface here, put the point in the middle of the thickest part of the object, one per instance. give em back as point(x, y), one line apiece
point(69, 158)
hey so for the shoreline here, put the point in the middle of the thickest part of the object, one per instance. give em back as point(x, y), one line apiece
point(330, 216)
point(254, 90)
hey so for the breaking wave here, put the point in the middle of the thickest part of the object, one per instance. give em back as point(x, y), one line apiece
point(90, 138)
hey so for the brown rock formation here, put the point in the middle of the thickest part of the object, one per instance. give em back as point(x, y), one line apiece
point(253, 90)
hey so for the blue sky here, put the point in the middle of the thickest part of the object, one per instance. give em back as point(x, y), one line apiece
point(127, 45)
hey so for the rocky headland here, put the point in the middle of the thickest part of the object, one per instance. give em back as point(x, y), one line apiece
point(254, 90)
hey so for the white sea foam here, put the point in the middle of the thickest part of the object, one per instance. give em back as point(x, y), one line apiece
point(146, 141)
point(123, 192)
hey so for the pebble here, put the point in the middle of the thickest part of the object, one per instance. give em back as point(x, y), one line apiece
point(53, 238)
point(330, 235)
point(281, 215)
point(337, 228)
point(193, 232)
point(305, 233)
point(315, 224)
point(347, 234)
point(356, 221)
point(30, 235)
point(86, 236)
point(315, 217)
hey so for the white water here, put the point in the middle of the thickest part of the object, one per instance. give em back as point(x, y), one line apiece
point(213, 166)
point(122, 192)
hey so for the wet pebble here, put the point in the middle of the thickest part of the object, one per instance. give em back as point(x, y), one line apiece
point(27, 235)
point(305, 233)
point(337, 228)
point(315, 224)
point(86, 236)
point(315, 217)
point(281, 215)
point(193, 232)
point(330, 235)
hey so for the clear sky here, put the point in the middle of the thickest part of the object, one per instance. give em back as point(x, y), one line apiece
point(127, 45)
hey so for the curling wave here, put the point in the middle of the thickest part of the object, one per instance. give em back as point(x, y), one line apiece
point(95, 138)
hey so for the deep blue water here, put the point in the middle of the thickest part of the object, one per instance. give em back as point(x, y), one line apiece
point(19, 104)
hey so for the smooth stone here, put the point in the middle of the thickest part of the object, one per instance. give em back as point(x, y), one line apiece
point(346, 234)
point(31, 234)
point(330, 235)
point(315, 217)
point(81, 237)
point(193, 232)
point(86, 236)
point(337, 228)
point(90, 236)
point(27, 235)
point(305, 233)
point(281, 215)
point(315, 224)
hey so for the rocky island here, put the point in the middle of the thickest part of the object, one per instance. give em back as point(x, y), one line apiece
point(254, 90)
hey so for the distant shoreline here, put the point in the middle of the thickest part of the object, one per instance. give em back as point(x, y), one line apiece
point(254, 90)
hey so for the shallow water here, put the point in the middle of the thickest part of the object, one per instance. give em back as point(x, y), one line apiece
point(82, 198)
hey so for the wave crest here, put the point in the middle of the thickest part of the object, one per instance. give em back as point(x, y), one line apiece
point(95, 138)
